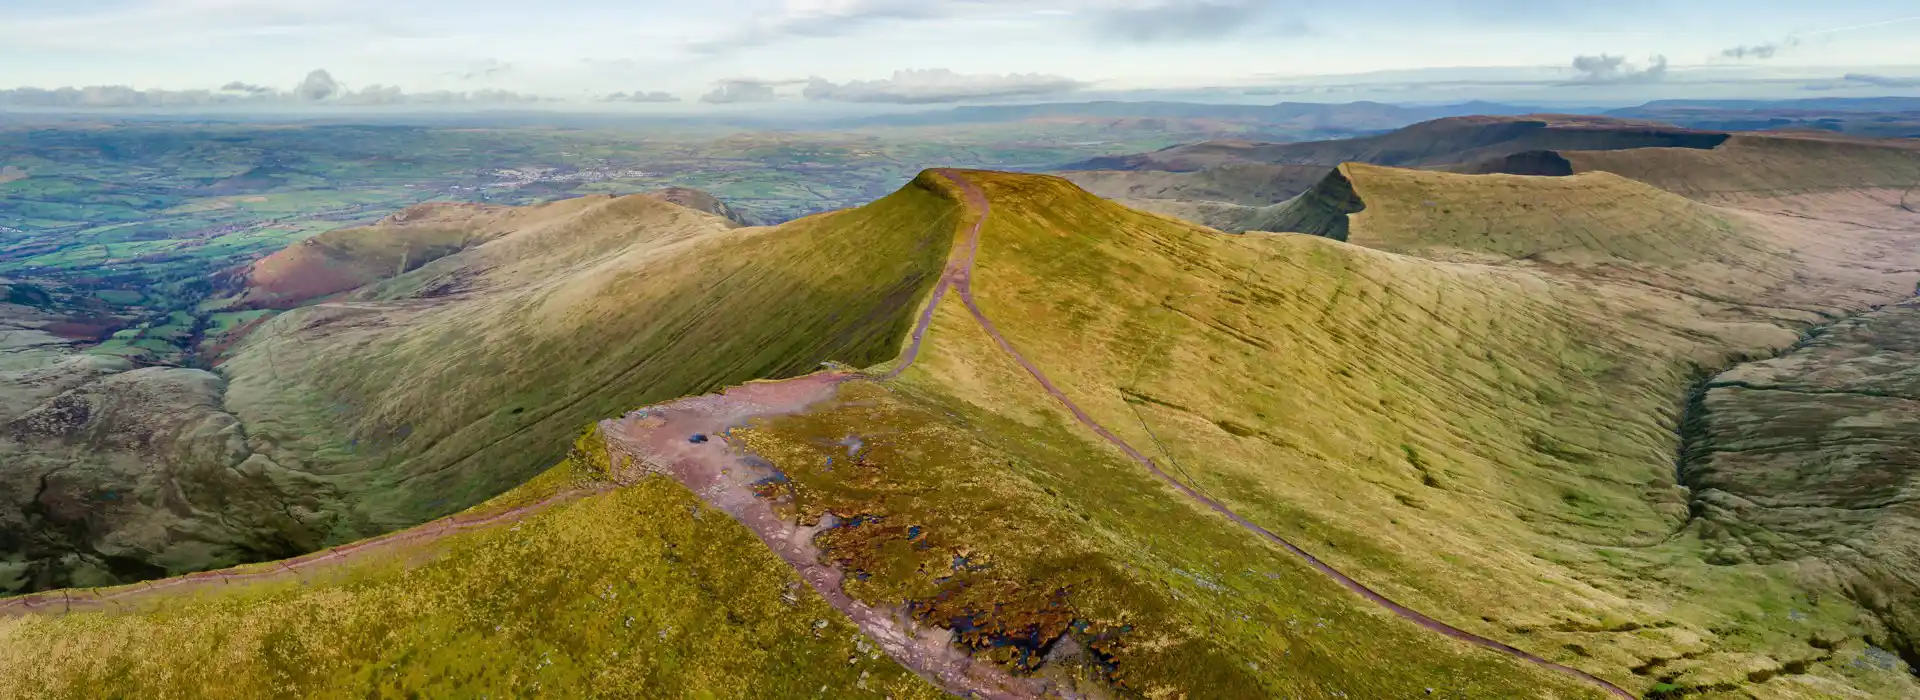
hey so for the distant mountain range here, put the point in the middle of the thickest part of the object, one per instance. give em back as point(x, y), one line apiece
point(1357, 118)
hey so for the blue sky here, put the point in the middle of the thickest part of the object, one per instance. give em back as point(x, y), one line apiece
point(850, 50)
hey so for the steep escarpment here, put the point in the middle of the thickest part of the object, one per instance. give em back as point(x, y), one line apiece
point(1244, 185)
point(1323, 210)
point(1240, 186)
point(1537, 163)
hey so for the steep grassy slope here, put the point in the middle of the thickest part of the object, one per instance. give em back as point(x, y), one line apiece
point(1248, 185)
point(445, 385)
point(1810, 457)
point(1319, 207)
point(640, 592)
point(1050, 555)
point(1490, 444)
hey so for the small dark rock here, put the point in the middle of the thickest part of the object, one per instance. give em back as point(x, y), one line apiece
point(697, 439)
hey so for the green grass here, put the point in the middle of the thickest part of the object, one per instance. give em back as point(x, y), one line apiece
point(590, 309)
point(641, 592)
point(1031, 534)
point(1467, 439)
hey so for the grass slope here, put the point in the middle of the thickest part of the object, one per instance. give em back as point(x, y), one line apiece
point(442, 387)
point(1487, 443)
point(447, 384)
point(642, 592)
point(1754, 166)
point(1808, 457)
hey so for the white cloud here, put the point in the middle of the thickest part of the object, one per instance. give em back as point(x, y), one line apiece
point(640, 96)
point(1613, 70)
point(739, 90)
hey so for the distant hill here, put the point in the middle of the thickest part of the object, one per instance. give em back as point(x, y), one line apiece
point(1828, 104)
point(1437, 142)
point(1878, 117)
point(1348, 117)
point(347, 259)
point(1188, 181)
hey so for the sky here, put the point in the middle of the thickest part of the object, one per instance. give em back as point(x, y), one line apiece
point(720, 54)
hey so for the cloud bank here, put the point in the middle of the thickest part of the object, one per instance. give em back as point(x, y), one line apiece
point(1188, 21)
point(638, 96)
point(741, 90)
point(318, 88)
point(1760, 52)
point(939, 86)
point(1884, 81)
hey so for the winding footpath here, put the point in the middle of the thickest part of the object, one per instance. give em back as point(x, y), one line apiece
point(962, 283)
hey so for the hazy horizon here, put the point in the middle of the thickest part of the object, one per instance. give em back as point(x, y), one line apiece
point(854, 56)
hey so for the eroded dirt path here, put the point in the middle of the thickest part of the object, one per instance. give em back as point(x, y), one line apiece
point(77, 600)
point(688, 441)
point(963, 287)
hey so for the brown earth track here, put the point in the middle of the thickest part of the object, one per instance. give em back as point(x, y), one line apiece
point(655, 440)
point(963, 285)
point(69, 600)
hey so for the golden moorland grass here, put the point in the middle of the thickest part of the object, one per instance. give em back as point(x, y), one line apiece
point(1488, 443)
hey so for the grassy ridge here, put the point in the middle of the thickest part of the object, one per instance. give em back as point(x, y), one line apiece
point(448, 384)
point(1749, 166)
point(1488, 444)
